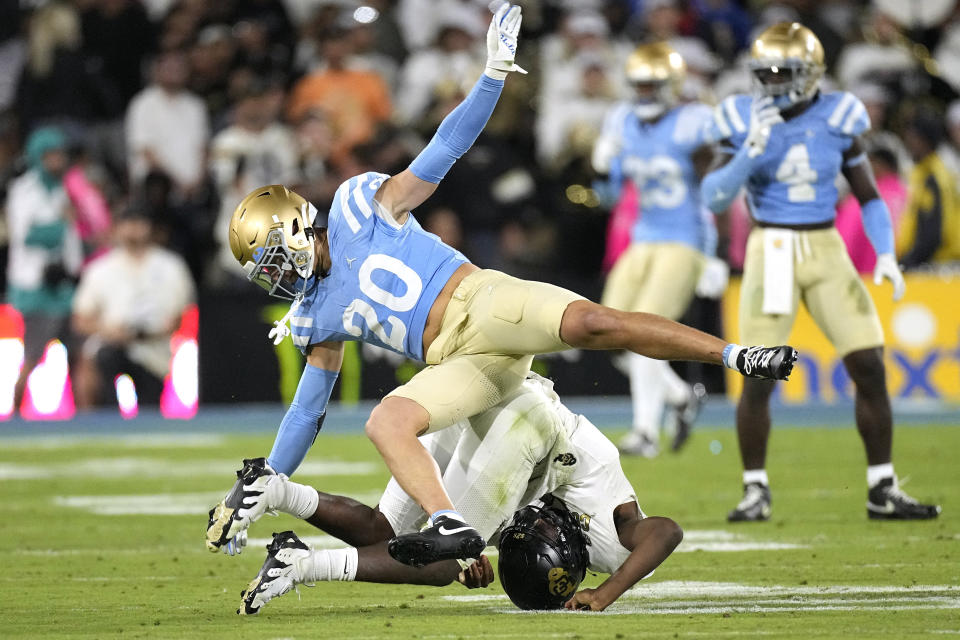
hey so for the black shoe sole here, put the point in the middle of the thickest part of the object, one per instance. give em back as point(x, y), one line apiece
point(872, 515)
point(420, 552)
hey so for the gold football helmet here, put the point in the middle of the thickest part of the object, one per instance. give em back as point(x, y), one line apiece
point(787, 63)
point(271, 236)
point(656, 71)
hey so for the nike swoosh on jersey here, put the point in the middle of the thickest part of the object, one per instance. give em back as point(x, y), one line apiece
point(449, 532)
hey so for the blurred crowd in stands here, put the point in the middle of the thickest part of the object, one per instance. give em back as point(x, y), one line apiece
point(169, 111)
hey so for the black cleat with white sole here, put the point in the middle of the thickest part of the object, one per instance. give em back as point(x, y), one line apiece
point(244, 504)
point(887, 501)
point(278, 575)
point(447, 539)
point(755, 505)
point(686, 414)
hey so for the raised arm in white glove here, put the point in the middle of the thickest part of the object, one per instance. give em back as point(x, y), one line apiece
point(763, 115)
point(502, 42)
point(888, 268)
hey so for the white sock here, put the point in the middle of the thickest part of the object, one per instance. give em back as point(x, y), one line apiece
point(878, 472)
point(676, 390)
point(329, 565)
point(646, 395)
point(296, 499)
point(751, 476)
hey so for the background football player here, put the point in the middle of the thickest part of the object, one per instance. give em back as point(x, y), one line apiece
point(374, 275)
point(529, 449)
point(659, 145)
point(787, 144)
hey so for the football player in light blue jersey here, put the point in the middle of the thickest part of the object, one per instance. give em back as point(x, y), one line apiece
point(659, 145)
point(787, 145)
point(373, 275)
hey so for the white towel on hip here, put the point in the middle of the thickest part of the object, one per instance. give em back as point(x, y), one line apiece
point(778, 271)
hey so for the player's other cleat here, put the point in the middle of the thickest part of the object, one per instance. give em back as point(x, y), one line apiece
point(755, 506)
point(278, 574)
point(447, 539)
point(686, 414)
point(887, 501)
point(244, 504)
point(767, 362)
point(639, 444)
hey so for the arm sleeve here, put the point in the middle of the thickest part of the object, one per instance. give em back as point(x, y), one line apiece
point(877, 225)
point(458, 131)
point(303, 420)
point(721, 186)
point(929, 226)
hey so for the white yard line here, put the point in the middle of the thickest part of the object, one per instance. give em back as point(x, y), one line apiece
point(136, 467)
point(166, 504)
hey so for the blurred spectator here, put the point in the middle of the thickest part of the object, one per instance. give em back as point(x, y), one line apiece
point(255, 150)
point(422, 20)
point(59, 83)
point(167, 126)
point(949, 149)
point(314, 139)
point(355, 101)
point(45, 252)
point(880, 58)
point(210, 62)
point(849, 220)
point(128, 305)
point(930, 227)
point(440, 69)
point(13, 53)
point(566, 130)
point(724, 25)
point(117, 35)
point(367, 55)
point(582, 33)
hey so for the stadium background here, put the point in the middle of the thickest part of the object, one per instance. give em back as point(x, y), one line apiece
point(523, 200)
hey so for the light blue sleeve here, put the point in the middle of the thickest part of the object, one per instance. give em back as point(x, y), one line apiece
point(849, 116)
point(303, 419)
point(720, 187)
point(877, 225)
point(458, 131)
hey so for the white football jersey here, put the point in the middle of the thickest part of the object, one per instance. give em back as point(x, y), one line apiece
point(512, 455)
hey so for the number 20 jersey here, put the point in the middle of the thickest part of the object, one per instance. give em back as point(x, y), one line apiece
point(793, 181)
point(658, 158)
point(384, 277)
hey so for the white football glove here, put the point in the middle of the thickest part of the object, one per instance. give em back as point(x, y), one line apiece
point(713, 279)
point(502, 42)
point(236, 544)
point(888, 268)
point(763, 115)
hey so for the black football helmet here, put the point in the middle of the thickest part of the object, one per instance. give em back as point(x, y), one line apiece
point(543, 556)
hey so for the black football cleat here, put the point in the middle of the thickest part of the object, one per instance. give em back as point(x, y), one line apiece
point(245, 503)
point(767, 362)
point(755, 505)
point(686, 414)
point(447, 539)
point(278, 575)
point(887, 501)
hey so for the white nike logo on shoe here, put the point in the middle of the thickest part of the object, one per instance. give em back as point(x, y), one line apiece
point(888, 507)
point(449, 532)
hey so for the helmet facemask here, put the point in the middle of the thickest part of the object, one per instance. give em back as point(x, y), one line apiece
point(788, 82)
point(282, 271)
point(653, 98)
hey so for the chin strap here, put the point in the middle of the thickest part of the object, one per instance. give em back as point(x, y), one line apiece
point(280, 328)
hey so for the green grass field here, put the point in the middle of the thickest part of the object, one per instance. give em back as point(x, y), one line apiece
point(103, 537)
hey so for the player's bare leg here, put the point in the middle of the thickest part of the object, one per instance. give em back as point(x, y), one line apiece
point(753, 433)
point(872, 403)
point(393, 428)
point(588, 325)
point(885, 500)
